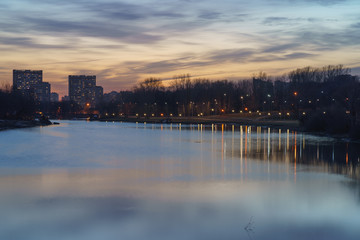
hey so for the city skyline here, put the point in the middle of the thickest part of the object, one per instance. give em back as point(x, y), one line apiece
point(82, 89)
point(122, 42)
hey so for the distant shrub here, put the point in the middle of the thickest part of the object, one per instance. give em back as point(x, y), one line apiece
point(332, 120)
point(316, 122)
point(14, 105)
point(337, 121)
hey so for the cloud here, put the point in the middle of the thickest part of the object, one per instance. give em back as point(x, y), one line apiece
point(114, 19)
point(272, 57)
point(186, 62)
point(27, 42)
point(125, 11)
point(108, 20)
point(331, 39)
point(230, 55)
point(90, 29)
point(356, 25)
point(297, 55)
point(325, 2)
point(275, 53)
point(280, 48)
point(210, 15)
point(207, 59)
point(182, 35)
point(275, 21)
point(314, 38)
point(156, 67)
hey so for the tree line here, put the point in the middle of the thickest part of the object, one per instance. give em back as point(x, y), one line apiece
point(304, 88)
point(14, 105)
point(324, 99)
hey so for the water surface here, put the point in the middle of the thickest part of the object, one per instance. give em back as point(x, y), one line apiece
point(91, 180)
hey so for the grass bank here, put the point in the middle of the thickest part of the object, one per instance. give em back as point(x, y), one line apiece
point(238, 119)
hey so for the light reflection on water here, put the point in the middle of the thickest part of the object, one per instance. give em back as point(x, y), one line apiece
point(90, 180)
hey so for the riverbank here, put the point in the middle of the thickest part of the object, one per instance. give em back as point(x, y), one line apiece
point(216, 119)
point(14, 124)
point(236, 119)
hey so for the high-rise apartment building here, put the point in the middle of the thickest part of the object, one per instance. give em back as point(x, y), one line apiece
point(83, 90)
point(54, 97)
point(42, 92)
point(96, 94)
point(31, 83)
point(24, 80)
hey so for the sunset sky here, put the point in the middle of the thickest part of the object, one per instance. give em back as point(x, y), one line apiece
point(123, 41)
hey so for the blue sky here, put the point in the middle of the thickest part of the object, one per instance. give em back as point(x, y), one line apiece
point(123, 42)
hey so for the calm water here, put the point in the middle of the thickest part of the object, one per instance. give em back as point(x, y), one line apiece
point(90, 180)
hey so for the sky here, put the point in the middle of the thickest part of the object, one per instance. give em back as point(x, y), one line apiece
point(123, 42)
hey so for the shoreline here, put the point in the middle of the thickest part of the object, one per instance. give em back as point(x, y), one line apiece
point(275, 123)
point(17, 124)
point(293, 125)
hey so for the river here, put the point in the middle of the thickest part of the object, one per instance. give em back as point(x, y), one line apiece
point(97, 180)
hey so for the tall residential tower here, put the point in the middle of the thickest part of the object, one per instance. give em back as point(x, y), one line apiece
point(83, 90)
point(31, 83)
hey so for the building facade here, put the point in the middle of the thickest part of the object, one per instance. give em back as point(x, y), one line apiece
point(83, 90)
point(42, 92)
point(24, 80)
point(30, 83)
point(97, 93)
point(54, 97)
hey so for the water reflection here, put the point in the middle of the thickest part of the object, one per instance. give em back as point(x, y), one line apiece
point(293, 148)
point(113, 204)
point(277, 145)
point(88, 180)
